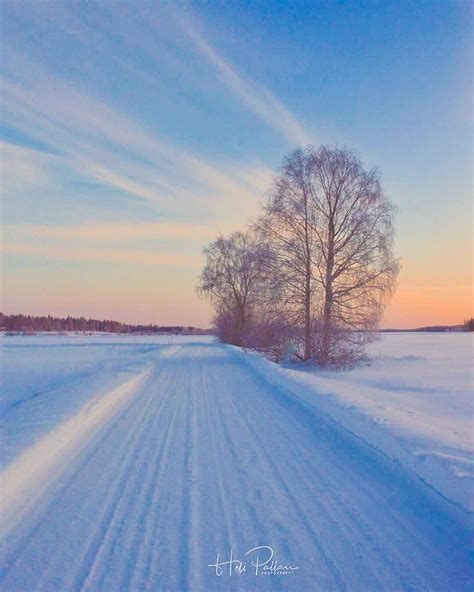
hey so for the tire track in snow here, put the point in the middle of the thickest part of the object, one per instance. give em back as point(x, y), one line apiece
point(186, 465)
point(92, 544)
point(132, 487)
point(123, 492)
point(306, 479)
point(224, 454)
point(144, 554)
point(246, 527)
point(283, 490)
point(193, 522)
point(311, 479)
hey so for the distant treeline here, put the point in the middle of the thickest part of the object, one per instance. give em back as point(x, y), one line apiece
point(28, 324)
point(468, 325)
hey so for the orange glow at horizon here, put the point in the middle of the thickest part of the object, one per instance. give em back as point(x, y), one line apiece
point(417, 306)
point(149, 298)
point(100, 280)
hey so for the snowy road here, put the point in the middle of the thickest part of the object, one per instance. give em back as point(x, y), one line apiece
point(201, 457)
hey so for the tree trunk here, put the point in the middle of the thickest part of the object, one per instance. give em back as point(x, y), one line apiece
point(328, 302)
point(326, 329)
point(308, 349)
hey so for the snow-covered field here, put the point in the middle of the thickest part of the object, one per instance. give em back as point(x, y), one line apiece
point(137, 463)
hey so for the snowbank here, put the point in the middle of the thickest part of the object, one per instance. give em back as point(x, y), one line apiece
point(45, 380)
point(412, 401)
point(26, 477)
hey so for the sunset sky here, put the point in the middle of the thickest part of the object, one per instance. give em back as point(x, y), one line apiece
point(133, 133)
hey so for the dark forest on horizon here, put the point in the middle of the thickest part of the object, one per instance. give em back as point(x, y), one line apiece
point(19, 323)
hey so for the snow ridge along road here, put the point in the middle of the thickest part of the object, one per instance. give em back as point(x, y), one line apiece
point(198, 455)
point(26, 477)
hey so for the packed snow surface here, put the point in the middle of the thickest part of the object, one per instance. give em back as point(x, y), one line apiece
point(413, 400)
point(143, 464)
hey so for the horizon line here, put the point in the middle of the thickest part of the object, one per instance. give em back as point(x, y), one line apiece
point(439, 326)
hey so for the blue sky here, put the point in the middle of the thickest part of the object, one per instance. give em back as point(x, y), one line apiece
point(134, 132)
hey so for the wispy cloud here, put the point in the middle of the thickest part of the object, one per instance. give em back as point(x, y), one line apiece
point(99, 142)
point(68, 253)
point(22, 168)
point(253, 95)
point(111, 232)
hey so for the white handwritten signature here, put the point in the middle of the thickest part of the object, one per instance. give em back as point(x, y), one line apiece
point(261, 559)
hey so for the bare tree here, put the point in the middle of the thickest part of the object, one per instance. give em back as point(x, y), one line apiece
point(288, 226)
point(317, 267)
point(232, 279)
point(331, 230)
point(353, 228)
